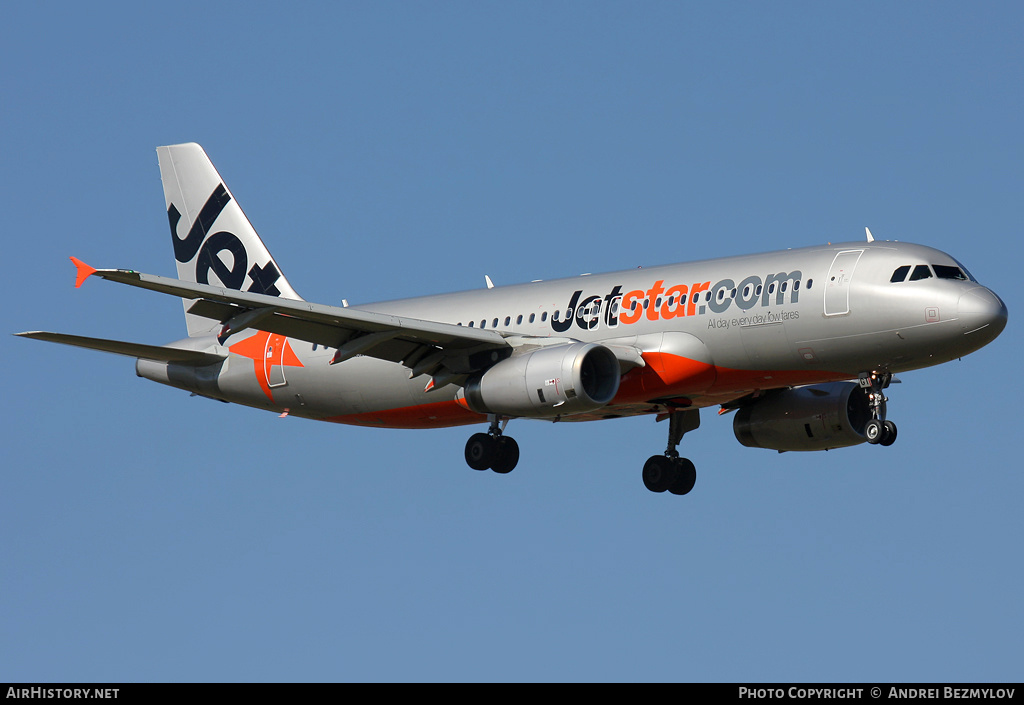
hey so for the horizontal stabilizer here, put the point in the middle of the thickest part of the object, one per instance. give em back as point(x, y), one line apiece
point(146, 352)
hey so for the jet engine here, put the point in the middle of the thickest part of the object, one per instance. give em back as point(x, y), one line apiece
point(816, 417)
point(559, 380)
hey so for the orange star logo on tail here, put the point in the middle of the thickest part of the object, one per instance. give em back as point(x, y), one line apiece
point(267, 351)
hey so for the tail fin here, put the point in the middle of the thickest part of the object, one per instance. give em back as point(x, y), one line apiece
point(214, 243)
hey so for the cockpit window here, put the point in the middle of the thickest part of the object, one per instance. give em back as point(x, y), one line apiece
point(965, 270)
point(900, 274)
point(945, 271)
point(921, 271)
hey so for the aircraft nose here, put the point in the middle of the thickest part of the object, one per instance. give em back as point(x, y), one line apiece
point(982, 313)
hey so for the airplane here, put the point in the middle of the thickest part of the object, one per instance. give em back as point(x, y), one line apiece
point(800, 344)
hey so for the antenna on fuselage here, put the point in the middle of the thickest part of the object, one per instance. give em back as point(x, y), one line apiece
point(870, 236)
point(490, 284)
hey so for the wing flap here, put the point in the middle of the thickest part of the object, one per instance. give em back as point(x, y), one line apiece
point(288, 326)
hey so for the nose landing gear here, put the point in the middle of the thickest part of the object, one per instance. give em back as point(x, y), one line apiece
point(878, 431)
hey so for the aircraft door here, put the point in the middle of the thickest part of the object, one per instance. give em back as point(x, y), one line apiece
point(837, 289)
point(273, 360)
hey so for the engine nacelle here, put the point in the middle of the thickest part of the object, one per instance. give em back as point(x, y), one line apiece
point(554, 381)
point(816, 417)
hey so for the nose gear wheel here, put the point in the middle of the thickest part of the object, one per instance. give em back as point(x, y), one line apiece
point(878, 431)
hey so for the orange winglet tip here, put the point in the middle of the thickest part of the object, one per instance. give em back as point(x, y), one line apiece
point(84, 271)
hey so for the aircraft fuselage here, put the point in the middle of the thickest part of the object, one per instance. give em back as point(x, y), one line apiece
point(710, 331)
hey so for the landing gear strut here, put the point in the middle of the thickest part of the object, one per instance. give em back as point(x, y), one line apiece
point(669, 471)
point(878, 431)
point(492, 449)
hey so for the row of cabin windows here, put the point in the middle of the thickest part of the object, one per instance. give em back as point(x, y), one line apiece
point(923, 271)
point(508, 320)
point(595, 308)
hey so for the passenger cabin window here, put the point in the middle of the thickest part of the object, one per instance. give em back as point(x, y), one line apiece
point(921, 271)
point(900, 274)
point(945, 271)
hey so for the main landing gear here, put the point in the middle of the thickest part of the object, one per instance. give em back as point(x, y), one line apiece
point(878, 431)
point(669, 471)
point(492, 450)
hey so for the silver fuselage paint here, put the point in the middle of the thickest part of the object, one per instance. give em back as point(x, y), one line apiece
point(825, 313)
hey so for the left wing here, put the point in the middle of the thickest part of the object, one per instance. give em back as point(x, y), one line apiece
point(424, 346)
point(448, 353)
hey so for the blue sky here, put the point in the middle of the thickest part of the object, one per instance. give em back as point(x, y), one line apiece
point(394, 149)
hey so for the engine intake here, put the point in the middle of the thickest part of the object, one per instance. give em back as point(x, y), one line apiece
point(816, 417)
point(554, 381)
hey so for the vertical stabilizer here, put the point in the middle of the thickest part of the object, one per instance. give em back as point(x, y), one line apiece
point(214, 242)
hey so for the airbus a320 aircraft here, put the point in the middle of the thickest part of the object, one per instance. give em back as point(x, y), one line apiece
point(800, 343)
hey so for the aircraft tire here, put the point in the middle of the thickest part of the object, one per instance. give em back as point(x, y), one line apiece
point(686, 478)
point(481, 451)
point(874, 431)
point(659, 473)
point(890, 434)
point(506, 456)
